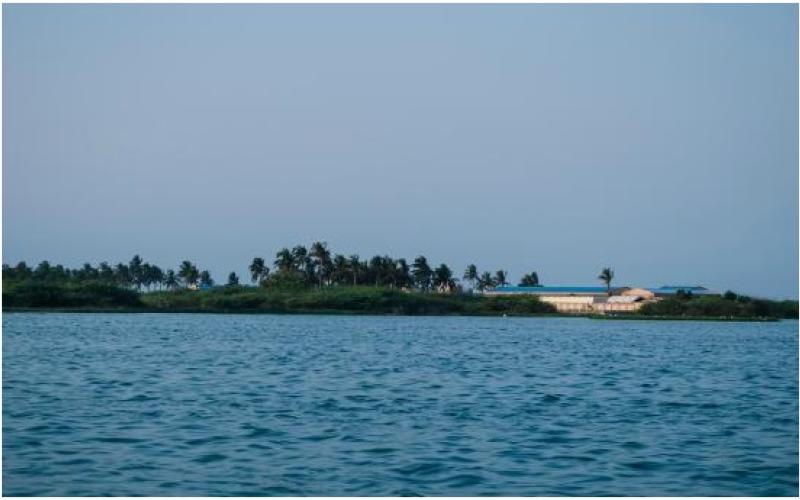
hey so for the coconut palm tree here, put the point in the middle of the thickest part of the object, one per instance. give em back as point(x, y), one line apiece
point(322, 260)
point(106, 273)
point(156, 275)
point(121, 274)
point(606, 275)
point(188, 273)
point(170, 280)
point(354, 266)
point(443, 278)
point(284, 259)
point(485, 281)
point(500, 278)
point(300, 256)
point(402, 273)
point(339, 269)
point(421, 272)
point(258, 270)
point(205, 279)
point(471, 275)
point(531, 279)
point(135, 269)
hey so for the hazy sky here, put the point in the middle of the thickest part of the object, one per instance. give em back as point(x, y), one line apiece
point(660, 140)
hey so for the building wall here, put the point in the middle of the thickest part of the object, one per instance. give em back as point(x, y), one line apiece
point(569, 304)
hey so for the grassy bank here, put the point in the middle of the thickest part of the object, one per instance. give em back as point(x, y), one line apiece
point(344, 300)
point(31, 295)
point(729, 306)
point(352, 300)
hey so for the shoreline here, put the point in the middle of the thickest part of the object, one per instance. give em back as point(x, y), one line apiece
point(339, 312)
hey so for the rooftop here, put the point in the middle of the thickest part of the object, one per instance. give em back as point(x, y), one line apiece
point(555, 289)
point(592, 290)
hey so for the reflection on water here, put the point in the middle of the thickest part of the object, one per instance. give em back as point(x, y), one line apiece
point(119, 404)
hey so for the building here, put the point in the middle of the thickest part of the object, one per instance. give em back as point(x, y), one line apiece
point(597, 299)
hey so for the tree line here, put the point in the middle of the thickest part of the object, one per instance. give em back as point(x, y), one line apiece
point(136, 274)
point(313, 266)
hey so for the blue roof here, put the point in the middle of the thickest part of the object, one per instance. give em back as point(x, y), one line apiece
point(674, 289)
point(553, 289)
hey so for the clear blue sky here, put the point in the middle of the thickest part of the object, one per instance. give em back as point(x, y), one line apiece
point(660, 140)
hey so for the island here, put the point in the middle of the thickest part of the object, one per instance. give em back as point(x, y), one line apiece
point(313, 280)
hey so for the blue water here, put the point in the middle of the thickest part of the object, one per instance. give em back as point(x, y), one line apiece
point(126, 404)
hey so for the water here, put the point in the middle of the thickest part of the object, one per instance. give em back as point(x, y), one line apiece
point(119, 404)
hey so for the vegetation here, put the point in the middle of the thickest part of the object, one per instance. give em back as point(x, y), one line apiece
point(314, 280)
point(606, 276)
point(303, 280)
point(729, 305)
point(531, 279)
point(352, 299)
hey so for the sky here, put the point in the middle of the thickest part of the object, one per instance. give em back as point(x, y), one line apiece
point(661, 140)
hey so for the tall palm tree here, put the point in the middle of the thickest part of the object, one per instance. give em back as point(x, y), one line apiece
point(421, 272)
point(135, 268)
point(121, 274)
point(188, 273)
point(354, 266)
point(338, 268)
point(402, 273)
point(106, 273)
point(531, 279)
point(443, 278)
point(606, 275)
point(156, 275)
point(300, 254)
point(500, 278)
point(170, 280)
point(284, 259)
point(322, 260)
point(485, 281)
point(258, 270)
point(205, 278)
point(471, 274)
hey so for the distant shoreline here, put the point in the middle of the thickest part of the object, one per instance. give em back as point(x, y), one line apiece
point(340, 312)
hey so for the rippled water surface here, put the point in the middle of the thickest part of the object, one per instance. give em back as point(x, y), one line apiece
point(119, 404)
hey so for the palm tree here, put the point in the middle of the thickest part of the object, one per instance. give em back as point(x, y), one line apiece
point(233, 280)
point(485, 281)
point(402, 273)
point(471, 274)
point(606, 275)
point(135, 268)
point(531, 279)
point(375, 269)
point(338, 268)
point(106, 273)
point(258, 270)
point(421, 272)
point(500, 278)
point(188, 273)
point(205, 279)
point(300, 254)
point(170, 280)
point(121, 274)
point(284, 259)
point(322, 260)
point(354, 266)
point(146, 275)
point(443, 278)
point(156, 275)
